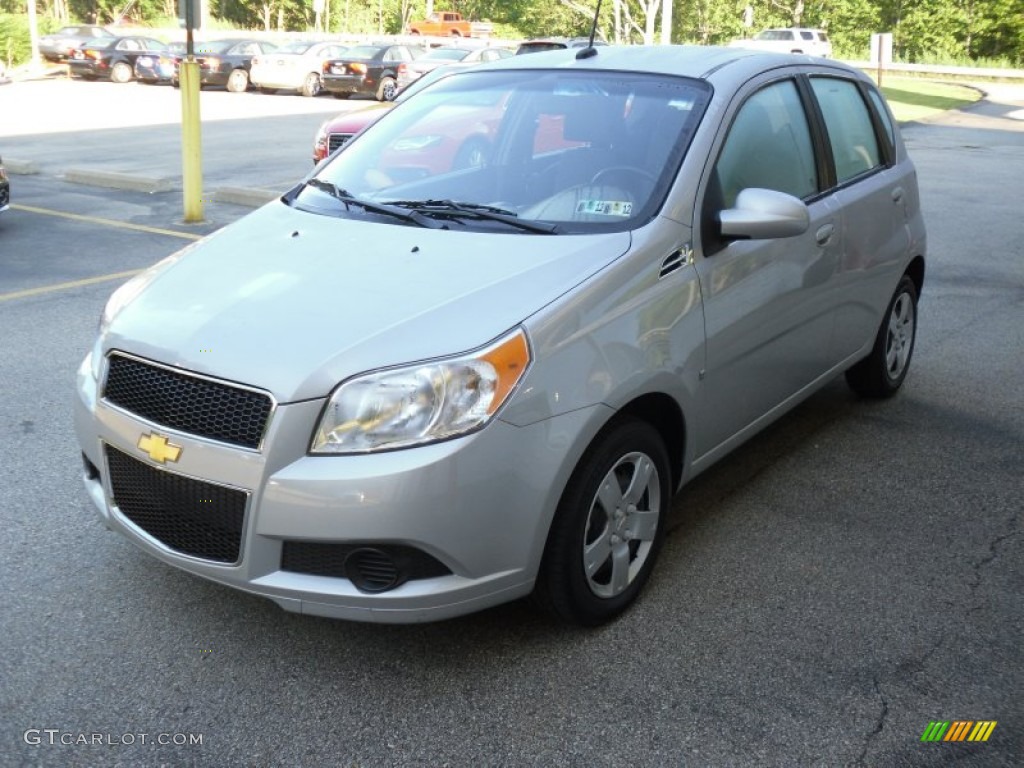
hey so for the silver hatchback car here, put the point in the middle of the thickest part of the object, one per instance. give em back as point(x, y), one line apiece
point(413, 387)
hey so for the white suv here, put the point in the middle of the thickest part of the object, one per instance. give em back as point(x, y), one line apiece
point(792, 40)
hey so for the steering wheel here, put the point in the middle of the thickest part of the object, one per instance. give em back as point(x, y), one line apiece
point(601, 176)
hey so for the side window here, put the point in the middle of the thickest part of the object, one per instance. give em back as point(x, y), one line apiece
point(768, 146)
point(883, 115)
point(850, 131)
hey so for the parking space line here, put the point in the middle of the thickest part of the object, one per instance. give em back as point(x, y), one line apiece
point(106, 222)
point(63, 286)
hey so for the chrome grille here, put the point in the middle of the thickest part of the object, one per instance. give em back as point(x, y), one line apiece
point(190, 516)
point(186, 402)
point(335, 140)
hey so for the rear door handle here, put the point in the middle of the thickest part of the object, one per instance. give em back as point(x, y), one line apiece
point(897, 195)
point(824, 234)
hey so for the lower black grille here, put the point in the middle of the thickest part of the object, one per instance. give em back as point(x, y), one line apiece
point(188, 403)
point(336, 140)
point(371, 567)
point(189, 516)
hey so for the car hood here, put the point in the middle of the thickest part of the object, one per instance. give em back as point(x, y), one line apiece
point(295, 302)
point(357, 119)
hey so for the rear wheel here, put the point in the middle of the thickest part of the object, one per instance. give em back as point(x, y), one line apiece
point(608, 528)
point(882, 372)
point(238, 81)
point(387, 89)
point(121, 72)
point(311, 85)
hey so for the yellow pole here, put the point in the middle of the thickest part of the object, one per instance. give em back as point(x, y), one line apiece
point(191, 141)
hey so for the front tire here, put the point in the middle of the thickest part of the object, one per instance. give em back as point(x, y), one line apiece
point(882, 372)
point(121, 72)
point(608, 528)
point(238, 81)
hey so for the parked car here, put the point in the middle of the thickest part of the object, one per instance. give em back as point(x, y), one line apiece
point(408, 72)
point(336, 132)
point(158, 66)
point(368, 70)
point(58, 45)
point(404, 392)
point(226, 62)
point(295, 66)
point(540, 45)
point(112, 57)
point(791, 40)
point(5, 188)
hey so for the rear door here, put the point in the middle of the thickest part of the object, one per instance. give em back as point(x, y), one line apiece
point(869, 188)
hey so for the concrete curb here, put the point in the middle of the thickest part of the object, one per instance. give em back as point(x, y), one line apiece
point(115, 180)
point(21, 167)
point(253, 197)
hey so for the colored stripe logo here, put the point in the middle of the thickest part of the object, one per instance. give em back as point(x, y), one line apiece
point(958, 730)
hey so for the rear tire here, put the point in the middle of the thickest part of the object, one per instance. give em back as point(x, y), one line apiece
point(311, 85)
point(608, 528)
point(238, 81)
point(387, 89)
point(882, 372)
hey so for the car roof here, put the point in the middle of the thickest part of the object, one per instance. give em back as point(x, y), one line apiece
point(697, 61)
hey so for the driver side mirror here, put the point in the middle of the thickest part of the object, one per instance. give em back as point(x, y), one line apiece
point(764, 214)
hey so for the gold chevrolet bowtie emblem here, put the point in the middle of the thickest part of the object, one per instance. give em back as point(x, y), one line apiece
point(159, 448)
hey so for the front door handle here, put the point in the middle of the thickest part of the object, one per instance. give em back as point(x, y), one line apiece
point(824, 234)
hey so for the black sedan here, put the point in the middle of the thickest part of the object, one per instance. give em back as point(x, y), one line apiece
point(113, 58)
point(368, 70)
point(226, 62)
point(59, 45)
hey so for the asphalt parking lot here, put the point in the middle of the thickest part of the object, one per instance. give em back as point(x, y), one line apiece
point(849, 576)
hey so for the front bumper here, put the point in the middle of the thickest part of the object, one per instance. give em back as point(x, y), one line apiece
point(480, 506)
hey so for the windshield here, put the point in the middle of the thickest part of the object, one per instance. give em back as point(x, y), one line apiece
point(362, 52)
point(583, 151)
point(445, 54)
point(218, 46)
point(296, 47)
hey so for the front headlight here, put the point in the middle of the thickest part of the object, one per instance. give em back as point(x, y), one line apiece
point(416, 404)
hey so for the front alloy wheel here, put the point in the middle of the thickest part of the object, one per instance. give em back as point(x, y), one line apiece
point(609, 526)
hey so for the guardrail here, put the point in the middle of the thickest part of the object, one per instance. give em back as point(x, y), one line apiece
point(987, 73)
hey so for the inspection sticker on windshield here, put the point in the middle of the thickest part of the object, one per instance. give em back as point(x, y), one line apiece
point(605, 207)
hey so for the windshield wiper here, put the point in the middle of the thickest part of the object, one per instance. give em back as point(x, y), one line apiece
point(389, 210)
point(455, 209)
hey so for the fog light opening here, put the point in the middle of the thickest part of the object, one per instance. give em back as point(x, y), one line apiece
point(373, 570)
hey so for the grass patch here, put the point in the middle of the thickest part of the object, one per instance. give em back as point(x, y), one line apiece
point(912, 98)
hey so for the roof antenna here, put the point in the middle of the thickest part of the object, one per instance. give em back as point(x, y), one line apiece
point(590, 50)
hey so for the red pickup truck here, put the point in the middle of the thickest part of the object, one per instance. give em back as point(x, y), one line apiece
point(449, 24)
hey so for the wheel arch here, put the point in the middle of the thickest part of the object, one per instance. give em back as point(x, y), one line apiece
point(915, 271)
point(663, 413)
